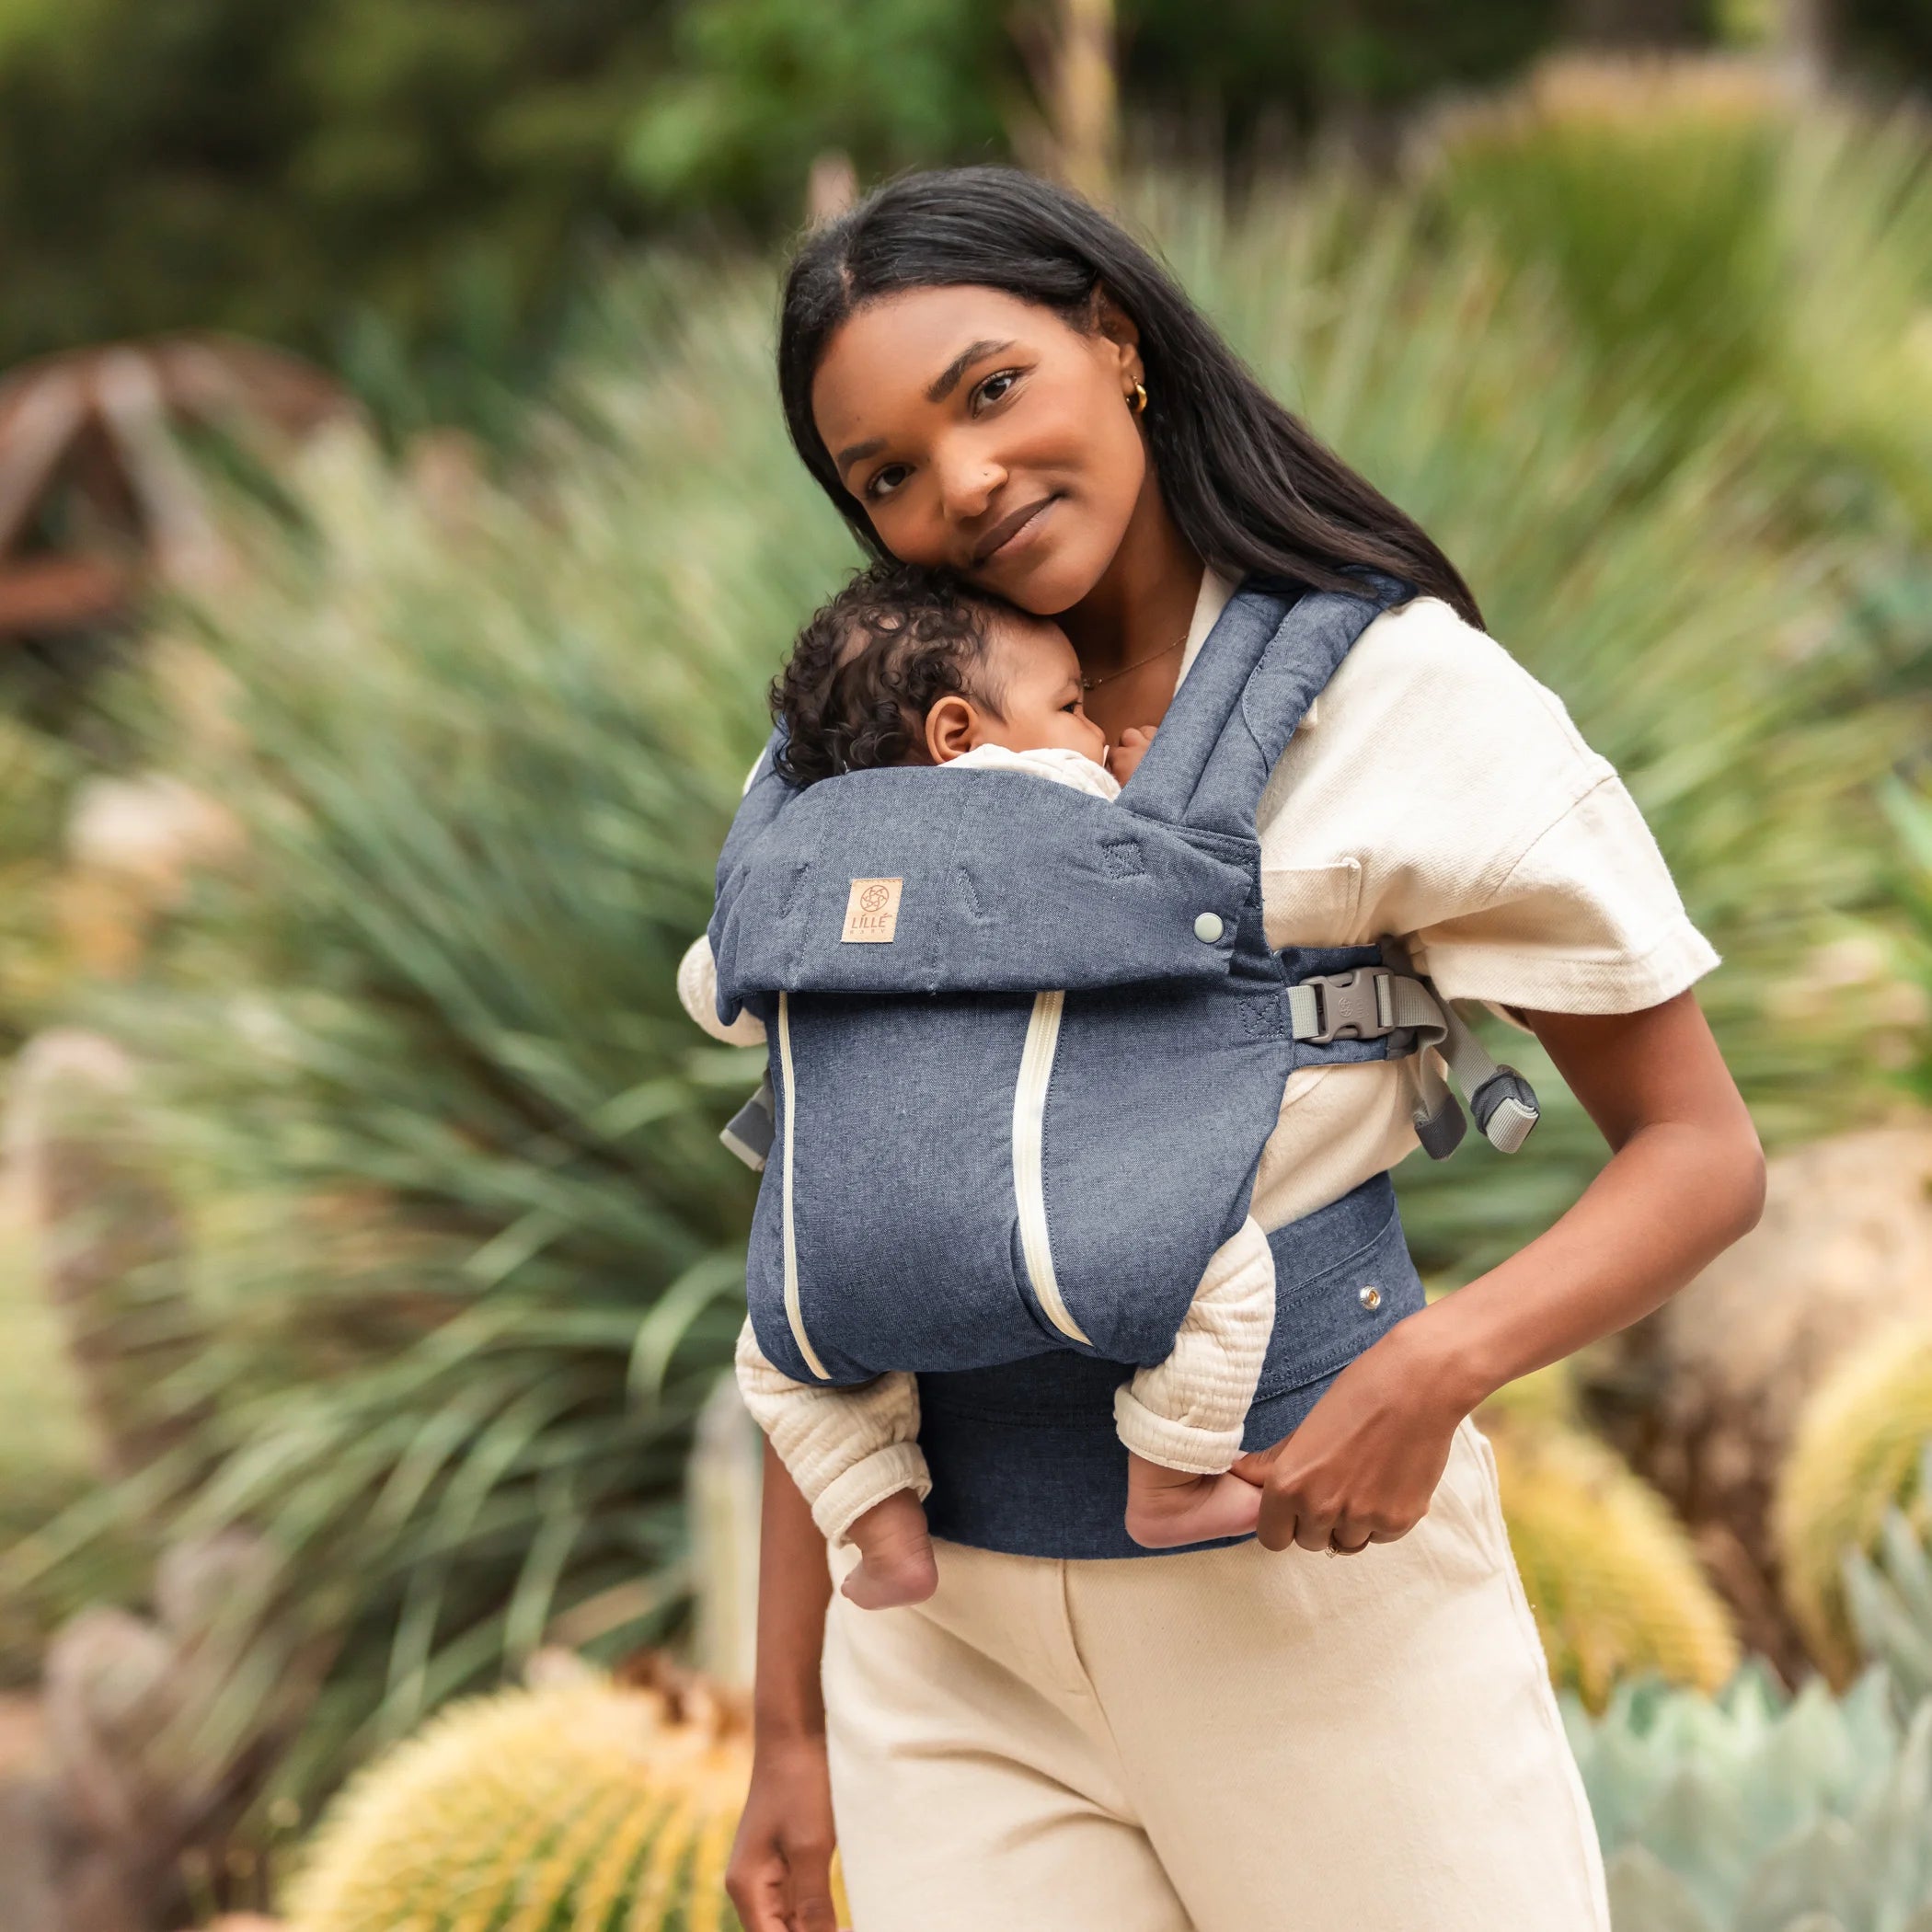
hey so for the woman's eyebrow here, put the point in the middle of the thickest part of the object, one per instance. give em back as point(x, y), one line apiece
point(948, 378)
point(941, 387)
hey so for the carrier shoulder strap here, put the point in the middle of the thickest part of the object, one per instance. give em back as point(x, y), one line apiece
point(1261, 665)
point(1266, 660)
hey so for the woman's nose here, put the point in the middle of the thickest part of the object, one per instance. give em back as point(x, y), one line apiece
point(968, 483)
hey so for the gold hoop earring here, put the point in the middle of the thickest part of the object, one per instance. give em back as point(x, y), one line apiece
point(1140, 398)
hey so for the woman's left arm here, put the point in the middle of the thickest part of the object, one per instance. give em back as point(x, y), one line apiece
point(1686, 1178)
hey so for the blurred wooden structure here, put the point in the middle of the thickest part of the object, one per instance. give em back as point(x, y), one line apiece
point(97, 496)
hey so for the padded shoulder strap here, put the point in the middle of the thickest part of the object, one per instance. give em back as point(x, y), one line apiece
point(1270, 652)
point(765, 796)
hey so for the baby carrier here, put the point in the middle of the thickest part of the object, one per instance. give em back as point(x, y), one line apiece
point(1025, 1044)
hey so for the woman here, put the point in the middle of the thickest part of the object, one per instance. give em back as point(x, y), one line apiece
point(986, 375)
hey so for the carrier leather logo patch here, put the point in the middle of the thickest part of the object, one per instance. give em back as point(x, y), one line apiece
point(872, 911)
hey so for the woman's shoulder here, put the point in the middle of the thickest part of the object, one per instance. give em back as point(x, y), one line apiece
point(1423, 677)
point(1432, 753)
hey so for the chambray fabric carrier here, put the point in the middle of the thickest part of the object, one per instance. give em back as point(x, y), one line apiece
point(1009, 1138)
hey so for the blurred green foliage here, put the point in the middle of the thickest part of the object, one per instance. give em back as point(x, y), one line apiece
point(1257, 67)
point(267, 167)
point(471, 1253)
point(754, 90)
point(420, 188)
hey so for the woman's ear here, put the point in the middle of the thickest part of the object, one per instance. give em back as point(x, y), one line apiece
point(949, 727)
point(1119, 328)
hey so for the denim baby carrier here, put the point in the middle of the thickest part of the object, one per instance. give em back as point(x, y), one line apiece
point(1025, 1046)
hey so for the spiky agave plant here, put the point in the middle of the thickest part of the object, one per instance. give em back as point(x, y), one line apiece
point(470, 1253)
point(1753, 1811)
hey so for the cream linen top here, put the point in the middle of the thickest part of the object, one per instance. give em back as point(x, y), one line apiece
point(1437, 792)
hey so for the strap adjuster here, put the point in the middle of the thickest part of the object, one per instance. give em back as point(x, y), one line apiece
point(1356, 1005)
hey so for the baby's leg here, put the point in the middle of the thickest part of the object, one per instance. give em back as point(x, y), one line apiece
point(1182, 1419)
point(854, 1455)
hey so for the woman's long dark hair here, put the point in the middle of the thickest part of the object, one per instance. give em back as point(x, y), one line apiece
point(1246, 483)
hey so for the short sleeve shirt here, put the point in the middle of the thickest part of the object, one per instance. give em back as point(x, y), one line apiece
point(1435, 791)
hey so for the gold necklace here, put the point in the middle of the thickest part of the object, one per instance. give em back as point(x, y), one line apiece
point(1086, 683)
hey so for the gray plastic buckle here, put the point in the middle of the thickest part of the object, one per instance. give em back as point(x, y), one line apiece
point(1343, 1006)
point(1506, 1109)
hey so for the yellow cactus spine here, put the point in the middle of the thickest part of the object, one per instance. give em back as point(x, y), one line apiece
point(1855, 1454)
point(1610, 1573)
point(576, 1804)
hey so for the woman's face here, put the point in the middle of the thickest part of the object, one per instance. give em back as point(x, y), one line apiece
point(983, 433)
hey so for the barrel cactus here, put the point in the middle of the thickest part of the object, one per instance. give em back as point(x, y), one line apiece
point(575, 1805)
point(1856, 1453)
point(1752, 1812)
point(1888, 1597)
point(1611, 1576)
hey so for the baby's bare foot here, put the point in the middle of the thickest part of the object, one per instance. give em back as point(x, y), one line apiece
point(895, 1555)
point(1169, 1506)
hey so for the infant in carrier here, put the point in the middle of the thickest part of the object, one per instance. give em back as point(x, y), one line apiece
point(906, 668)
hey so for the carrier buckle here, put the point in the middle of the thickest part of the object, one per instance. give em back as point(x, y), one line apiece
point(1356, 1005)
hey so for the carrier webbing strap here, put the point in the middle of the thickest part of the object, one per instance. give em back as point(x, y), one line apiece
point(1371, 1002)
point(750, 1132)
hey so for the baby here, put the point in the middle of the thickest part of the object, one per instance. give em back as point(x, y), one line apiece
point(904, 668)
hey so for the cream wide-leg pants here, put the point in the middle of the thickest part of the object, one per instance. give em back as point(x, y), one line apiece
point(1233, 1739)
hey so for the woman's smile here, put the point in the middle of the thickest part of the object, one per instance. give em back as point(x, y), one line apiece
point(1016, 534)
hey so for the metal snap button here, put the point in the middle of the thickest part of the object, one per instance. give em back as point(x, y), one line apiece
point(1208, 927)
point(1369, 1296)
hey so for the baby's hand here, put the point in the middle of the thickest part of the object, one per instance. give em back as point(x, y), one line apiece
point(1130, 749)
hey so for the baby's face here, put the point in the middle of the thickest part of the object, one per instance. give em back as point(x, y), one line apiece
point(1042, 701)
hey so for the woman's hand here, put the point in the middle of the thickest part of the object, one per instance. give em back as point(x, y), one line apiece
point(1685, 1180)
point(781, 1875)
point(1362, 1465)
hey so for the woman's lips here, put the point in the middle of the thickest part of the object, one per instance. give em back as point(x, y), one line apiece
point(1023, 532)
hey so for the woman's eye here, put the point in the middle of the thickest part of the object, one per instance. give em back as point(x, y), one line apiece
point(878, 476)
point(984, 393)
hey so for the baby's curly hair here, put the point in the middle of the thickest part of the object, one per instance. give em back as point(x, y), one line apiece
point(865, 671)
